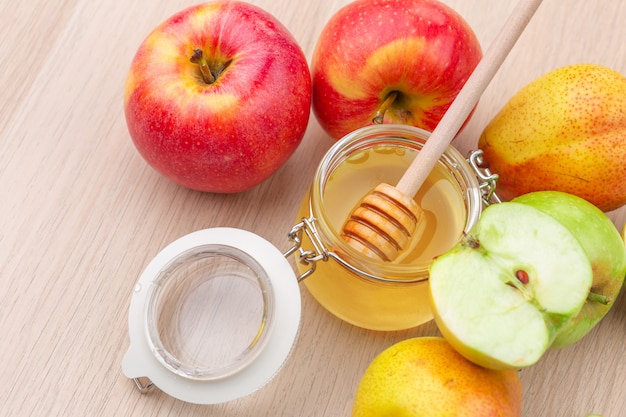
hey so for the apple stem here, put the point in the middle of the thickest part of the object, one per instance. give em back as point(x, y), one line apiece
point(602, 299)
point(199, 59)
point(470, 241)
point(380, 114)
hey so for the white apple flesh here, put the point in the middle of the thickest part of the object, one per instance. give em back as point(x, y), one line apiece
point(500, 296)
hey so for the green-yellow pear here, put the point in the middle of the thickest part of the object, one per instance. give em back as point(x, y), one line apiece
point(565, 131)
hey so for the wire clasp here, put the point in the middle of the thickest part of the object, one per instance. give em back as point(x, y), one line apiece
point(487, 179)
point(307, 257)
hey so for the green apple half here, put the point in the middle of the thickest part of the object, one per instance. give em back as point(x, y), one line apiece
point(503, 292)
point(605, 250)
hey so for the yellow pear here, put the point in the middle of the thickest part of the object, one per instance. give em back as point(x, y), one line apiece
point(426, 377)
point(565, 131)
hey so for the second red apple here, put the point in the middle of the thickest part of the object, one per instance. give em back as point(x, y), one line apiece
point(399, 61)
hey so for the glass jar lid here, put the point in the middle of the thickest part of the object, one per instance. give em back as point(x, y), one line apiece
point(213, 317)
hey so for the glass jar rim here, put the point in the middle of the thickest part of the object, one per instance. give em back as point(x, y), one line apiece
point(181, 283)
point(392, 135)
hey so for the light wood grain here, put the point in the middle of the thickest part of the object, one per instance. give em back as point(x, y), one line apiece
point(81, 215)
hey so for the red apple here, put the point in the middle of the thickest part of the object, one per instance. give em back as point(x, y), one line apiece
point(218, 97)
point(406, 59)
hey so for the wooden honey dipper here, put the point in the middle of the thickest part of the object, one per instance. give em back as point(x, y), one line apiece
point(382, 224)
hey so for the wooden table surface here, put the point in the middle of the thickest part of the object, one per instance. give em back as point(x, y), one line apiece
point(81, 215)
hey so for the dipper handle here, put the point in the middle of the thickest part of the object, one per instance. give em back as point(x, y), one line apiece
point(465, 101)
point(384, 221)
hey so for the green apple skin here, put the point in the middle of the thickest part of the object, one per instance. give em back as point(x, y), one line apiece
point(504, 292)
point(604, 247)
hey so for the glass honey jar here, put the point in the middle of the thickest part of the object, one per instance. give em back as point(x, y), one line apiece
point(370, 293)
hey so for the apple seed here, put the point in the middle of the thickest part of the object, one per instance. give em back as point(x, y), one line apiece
point(522, 276)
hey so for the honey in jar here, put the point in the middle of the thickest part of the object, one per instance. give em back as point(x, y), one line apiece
point(366, 292)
